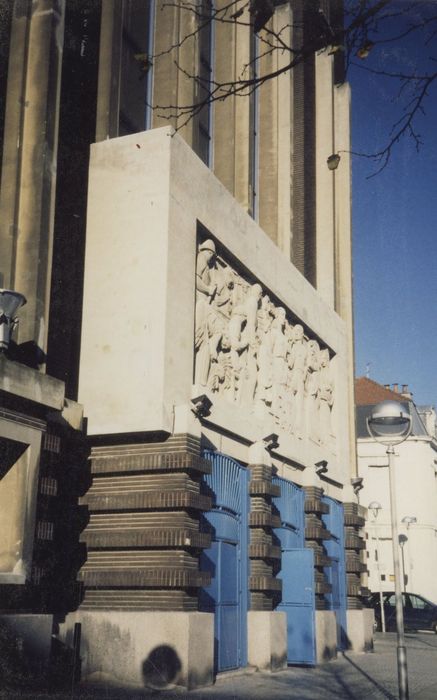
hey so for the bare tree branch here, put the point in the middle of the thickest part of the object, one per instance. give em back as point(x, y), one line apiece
point(369, 26)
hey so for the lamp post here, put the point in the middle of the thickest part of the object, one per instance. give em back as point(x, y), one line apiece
point(375, 507)
point(402, 540)
point(390, 424)
point(407, 520)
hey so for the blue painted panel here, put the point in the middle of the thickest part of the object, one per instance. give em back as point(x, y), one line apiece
point(297, 574)
point(225, 482)
point(290, 508)
point(229, 641)
point(227, 559)
point(210, 562)
point(336, 573)
point(229, 564)
point(225, 526)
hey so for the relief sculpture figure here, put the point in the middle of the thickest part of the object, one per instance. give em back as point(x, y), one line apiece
point(249, 374)
point(326, 397)
point(312, 390)
point(238, 345)
point(279, 364)
point(263, 396)
point(205, 292)
point(221, 378)
point(297, 365)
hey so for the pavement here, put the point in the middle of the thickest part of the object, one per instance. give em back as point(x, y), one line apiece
point(350, 677)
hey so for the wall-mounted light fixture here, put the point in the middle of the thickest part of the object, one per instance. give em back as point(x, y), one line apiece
point(271, 441)
point(321, 467)
point(333, 161)
point(201, 406)
point(10, 302)
point(357, 484)
point(409, 520)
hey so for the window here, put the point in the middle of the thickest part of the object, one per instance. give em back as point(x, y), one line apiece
point(253, 130)
point(391, 601)
point(419, 603)
point(203, 119)
point(135, 89)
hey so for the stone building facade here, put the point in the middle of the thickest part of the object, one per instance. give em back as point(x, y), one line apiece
point(188, 282)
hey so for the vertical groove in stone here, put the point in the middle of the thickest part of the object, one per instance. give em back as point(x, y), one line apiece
point(303, 197)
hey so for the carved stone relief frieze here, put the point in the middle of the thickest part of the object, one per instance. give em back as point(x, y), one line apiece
point(249, 353)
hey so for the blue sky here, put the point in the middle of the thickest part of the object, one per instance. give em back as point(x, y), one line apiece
point(395, 235)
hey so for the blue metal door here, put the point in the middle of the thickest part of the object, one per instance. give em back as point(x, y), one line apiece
point(227, 560)
point(297, 574)
point(336, 573)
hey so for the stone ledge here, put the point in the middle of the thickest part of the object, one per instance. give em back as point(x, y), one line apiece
point(31, 385)
point(264, 551)
point(258, 487)
point(146, 538)
point(353, 589)
point(147, 500)
point(142, 461)
point(264, 583)
point(354, 543)
point(352, 519)
point(315, 505)
point(259, 519)
point(355, 567)
point(312, 532)
point(322, 559)
point(124, 600)
point(151, 578)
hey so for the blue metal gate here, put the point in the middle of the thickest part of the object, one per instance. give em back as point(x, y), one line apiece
point(336, 573)
point(297, 574)
point(227, 560)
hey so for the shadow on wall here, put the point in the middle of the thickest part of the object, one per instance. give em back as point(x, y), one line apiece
point(329, 652)
point(16, 671)
point(162, 668)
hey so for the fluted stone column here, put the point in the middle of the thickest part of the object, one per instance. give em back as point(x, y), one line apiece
point(29, 159)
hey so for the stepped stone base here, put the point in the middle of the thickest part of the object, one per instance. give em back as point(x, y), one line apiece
point(326, 635)
point(360, 629)
point(145, 649)
point(267, 635)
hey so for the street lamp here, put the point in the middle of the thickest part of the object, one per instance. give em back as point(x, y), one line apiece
point(375, 507)
point(390, 424)
point(10, 302)
point(333, 161)
point(402, 540)
point(407, 520)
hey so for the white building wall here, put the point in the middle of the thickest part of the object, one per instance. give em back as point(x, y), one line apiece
point(146, 194)
point(416, 494)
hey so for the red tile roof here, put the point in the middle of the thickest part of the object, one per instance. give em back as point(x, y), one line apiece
point(368, 392)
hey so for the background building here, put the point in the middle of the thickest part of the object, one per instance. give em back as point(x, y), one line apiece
point(192, 290)
point(416, 463)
